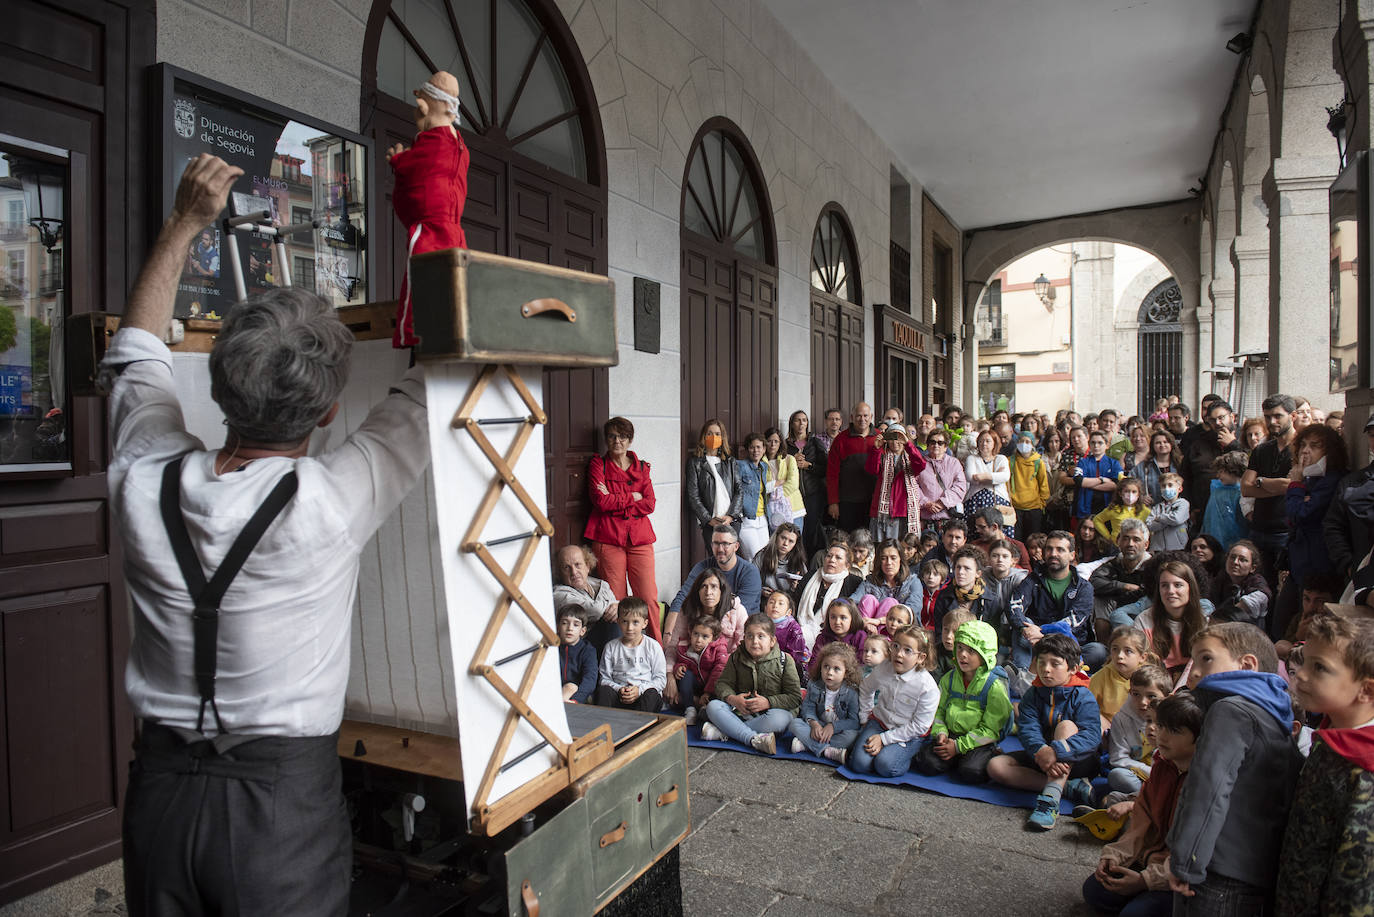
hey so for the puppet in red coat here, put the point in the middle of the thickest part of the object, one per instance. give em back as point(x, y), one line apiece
point(431, 186)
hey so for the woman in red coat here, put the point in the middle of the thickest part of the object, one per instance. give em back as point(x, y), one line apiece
point(619, 529)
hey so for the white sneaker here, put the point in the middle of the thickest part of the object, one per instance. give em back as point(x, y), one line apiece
point(765, 742)
point(797, 747)
point(835, 754)
point(690, 716)
point(710, 733)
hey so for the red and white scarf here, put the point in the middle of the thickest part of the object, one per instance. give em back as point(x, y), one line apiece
point(894, 465)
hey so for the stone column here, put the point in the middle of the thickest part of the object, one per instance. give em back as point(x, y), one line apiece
point(1250, 255)
point(1223, 321)
point(1350, 55)
point(1299, 271)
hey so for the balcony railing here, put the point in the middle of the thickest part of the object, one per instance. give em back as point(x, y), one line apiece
point(13, 232)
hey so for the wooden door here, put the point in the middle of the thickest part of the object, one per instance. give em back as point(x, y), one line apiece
point(756, 348)
point(68, 72)
point(837, 355)
point(526, 211)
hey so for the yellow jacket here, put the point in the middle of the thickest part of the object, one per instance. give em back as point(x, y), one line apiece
point(1108, 521)
point(1110, 689)
point(1030, 481)
point(789, 479)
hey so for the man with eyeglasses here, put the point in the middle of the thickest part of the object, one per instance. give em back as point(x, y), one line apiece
point(1216, 436)
point(742, 575)
point(1266, 479)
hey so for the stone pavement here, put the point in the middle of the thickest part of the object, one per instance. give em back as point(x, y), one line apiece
point(795, 839)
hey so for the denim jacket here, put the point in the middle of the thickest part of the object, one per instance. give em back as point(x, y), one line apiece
point(751, 483)
point(846, 706)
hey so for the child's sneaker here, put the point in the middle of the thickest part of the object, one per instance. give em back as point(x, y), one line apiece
point(765, 742)
point(689, 716)
point(797, 747)
point(1043, 816)
point(838, 755)
point(710, 733)
point(1080, 791)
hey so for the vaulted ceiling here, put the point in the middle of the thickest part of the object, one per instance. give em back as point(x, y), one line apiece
point(1009, 110)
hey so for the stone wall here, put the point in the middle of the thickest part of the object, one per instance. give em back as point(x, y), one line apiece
point(658, 75)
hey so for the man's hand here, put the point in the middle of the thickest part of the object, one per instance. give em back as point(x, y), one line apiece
point(833, 511)
point(200, 197)
point(612, 612)
point(203, 190)
point(1225, 436)
point(1178, 886)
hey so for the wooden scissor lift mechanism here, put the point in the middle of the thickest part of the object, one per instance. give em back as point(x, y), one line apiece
point(575, 757)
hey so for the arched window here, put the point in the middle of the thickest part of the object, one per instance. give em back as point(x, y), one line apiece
point(722, 202)
point(837, 318)
point(513, 87)
point(834, 267)
point(1160, 345)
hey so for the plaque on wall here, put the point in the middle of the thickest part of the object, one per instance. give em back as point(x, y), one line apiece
point(306, 170)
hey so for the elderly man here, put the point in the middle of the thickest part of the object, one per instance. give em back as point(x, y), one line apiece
point(234, 802)
point(1120, 580)
point(848, 486)
point(592, 597)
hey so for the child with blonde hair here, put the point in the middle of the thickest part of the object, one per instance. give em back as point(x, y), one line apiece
point(944, 651)
point(829, 720)
point(898, 616)
point(897, 704)
point(877, 649)
point(1127, 651)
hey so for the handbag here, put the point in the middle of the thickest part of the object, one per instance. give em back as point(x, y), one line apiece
point(1008, 514)
point(779, 508)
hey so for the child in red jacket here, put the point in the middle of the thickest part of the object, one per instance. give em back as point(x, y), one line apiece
point(698, 668)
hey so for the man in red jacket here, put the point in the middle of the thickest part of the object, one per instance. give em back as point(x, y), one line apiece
point(848, 486)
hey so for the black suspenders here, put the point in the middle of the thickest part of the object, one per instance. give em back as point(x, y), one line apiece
point(207, 596)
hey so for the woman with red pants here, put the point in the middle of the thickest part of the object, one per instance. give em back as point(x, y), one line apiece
point(619, 529)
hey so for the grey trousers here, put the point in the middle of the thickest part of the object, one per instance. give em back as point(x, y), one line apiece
point(261, 828)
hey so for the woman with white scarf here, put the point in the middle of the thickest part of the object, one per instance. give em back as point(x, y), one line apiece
point(988, 472)
point(832, 581)
point(896, 507)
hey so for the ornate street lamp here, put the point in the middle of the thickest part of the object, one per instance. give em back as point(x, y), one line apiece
point(1042, 289)
point(1338, 123)
point(43, 186)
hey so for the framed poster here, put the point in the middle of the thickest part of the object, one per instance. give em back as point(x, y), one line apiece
point(297, 167)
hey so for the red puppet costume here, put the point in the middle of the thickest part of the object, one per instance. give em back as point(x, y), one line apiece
point(431, 187)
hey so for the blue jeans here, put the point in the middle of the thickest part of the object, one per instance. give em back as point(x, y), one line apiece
point(743, 729)
point(686, 692)
point(1123, 780)
point(892, 761)
point(1221, 896)
point(802, 730)
point(1141, 904)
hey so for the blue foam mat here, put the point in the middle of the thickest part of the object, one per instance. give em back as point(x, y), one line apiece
point(992, 793)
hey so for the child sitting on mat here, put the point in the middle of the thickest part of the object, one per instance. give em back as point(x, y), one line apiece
point(786, 628)
point(633, 670)
point(1060, 729)
point(1110, 684)
point(699, 666)
point(954, 619)
point(974, 709)
point(897, 704)
point(829, 721)
point(758, 694)
point(1128, 749)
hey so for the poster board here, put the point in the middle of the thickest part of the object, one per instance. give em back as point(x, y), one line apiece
point(305, 168)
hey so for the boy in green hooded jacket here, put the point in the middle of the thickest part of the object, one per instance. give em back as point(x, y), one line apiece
point(973, 712)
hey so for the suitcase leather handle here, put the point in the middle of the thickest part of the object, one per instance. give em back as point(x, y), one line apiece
point(540, 306)
point(668, 798)
point(614, 836)
point(529, 899)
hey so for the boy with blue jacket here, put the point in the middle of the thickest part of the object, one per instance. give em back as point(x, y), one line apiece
point(1060, 727)
point(1228, 826)
point(577, 664)
point(973, 712)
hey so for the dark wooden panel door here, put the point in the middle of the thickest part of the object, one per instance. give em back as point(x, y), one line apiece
point(837, 355)
point(852, 357)
point(756, 339)
point(68, 77)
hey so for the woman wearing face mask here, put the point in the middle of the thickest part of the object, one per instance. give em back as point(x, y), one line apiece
point(1030, 485)
point(1319, 461)
point(714, 495)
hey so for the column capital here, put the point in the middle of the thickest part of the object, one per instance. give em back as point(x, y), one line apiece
point(1292, 174)
point(1250, 248)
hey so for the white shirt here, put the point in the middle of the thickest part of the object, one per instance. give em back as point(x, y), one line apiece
point(904, 703)
point(283, 648)
point(642, 666)
point(722, 492)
